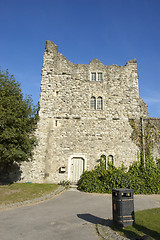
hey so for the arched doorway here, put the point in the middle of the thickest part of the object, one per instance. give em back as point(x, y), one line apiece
point(77, 165)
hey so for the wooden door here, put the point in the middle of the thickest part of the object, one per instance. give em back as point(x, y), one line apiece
point(77, 168)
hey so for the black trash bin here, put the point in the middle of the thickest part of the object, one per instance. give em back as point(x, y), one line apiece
point(123, 207)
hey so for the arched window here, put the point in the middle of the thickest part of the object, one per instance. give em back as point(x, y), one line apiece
point(103, 160)
point(93, 103)
point(110, 159)
point(99, 103)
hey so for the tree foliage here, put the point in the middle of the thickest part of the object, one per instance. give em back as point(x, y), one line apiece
point(18, 118)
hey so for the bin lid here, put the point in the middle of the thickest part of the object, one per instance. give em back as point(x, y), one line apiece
point(122, 190)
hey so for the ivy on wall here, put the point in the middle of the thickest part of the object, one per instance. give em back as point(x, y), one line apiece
point(145, 135)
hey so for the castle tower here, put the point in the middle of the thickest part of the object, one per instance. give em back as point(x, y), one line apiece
point(84, 113)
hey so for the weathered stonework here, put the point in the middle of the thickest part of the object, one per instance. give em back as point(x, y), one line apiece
point(72, 132)
point(155, 123)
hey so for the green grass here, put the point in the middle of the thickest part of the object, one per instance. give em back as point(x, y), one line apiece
point(147, 222)
point(19, 192)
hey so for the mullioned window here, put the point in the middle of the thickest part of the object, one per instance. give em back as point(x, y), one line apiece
point(96, 103)
point(96, 76)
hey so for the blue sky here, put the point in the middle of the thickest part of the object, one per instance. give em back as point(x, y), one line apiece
point(114, 31)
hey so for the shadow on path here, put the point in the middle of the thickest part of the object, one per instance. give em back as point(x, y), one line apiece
point(91, 218)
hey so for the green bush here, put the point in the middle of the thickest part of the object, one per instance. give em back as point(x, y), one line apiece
point(90, 182)
point(142, 178)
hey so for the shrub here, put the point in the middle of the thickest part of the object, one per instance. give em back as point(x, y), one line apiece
point(90, 182)
point(142, 178)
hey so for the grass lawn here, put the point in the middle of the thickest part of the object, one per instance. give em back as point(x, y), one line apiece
point(19, 192)
point(147, 222)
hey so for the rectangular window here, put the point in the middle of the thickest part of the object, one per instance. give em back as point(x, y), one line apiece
point(100, 77)
point(93, 76)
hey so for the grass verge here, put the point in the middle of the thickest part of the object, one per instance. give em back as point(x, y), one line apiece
point(19, 192)
point(147, 222)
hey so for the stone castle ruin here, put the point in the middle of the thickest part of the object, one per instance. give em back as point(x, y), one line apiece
point(84, 113)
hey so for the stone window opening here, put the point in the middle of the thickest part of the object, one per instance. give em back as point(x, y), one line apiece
point(56, 123)
point(103, 160)
point(93, 103)
point(96, 76)
point(110, 159)
point(99, 103)
point(100, 77)
point(96, 104)
point(93, 76)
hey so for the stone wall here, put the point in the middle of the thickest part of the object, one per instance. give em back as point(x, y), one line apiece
point(155, 122)
point(70, 127)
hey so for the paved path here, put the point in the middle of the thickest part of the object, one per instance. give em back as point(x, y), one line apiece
point(72, 215)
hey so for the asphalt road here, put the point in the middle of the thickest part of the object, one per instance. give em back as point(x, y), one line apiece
point(71, 215)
